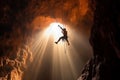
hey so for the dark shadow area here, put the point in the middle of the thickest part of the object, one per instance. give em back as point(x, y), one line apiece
point(105, 41)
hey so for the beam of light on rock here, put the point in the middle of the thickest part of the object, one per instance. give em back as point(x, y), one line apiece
point(65, 60)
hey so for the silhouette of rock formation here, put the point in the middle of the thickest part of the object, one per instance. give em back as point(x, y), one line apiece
point(105, 40)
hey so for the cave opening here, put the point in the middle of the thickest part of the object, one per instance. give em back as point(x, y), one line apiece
point(28, 51)
point(27, 44)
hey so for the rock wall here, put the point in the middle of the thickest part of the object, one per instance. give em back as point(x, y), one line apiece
point(13, 69)
point(105, 40)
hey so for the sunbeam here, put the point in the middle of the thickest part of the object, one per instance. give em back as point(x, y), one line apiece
point(57, 61)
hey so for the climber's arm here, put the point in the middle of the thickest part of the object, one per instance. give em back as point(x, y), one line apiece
point(60, 27)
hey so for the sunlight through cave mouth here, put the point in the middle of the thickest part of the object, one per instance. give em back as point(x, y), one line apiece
point(57, 61)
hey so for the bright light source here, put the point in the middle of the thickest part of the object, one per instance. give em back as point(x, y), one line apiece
point(54, 30)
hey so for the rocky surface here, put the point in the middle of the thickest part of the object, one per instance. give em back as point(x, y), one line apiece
point(13, 69)
point(105, 41)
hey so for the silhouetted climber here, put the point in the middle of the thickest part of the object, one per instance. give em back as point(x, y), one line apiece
point(64, 37)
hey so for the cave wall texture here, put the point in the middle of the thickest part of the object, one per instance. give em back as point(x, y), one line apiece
point(15, 54)
point(16, 29)
point(105, 40)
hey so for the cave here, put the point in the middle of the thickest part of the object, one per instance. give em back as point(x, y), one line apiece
point(29, 30)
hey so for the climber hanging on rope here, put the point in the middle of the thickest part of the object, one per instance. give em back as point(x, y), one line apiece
point(64, 37)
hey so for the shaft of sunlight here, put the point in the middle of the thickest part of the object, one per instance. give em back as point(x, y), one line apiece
point(61, 61)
